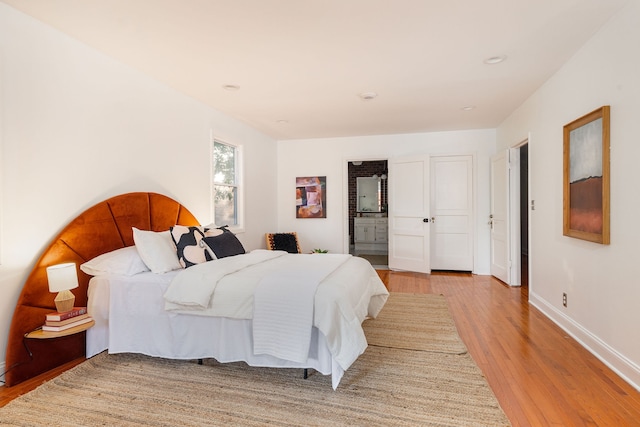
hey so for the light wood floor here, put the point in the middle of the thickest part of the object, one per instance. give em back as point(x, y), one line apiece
point(540, 376)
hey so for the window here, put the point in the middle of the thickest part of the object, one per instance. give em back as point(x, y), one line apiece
point(227, 191)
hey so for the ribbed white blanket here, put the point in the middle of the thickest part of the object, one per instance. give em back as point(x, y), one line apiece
point(283, 307)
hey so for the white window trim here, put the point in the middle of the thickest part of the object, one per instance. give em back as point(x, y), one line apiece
point(239, 166)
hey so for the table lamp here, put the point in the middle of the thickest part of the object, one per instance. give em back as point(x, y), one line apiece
point(63, 277)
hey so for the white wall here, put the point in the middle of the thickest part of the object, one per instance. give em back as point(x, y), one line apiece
point(601, 281)
point(328, 157)
point(79, 127)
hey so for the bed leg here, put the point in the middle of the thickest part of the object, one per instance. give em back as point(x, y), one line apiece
point(306, 373)
point(199, 361)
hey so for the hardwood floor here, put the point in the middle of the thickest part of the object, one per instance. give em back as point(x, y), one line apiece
point(540, 376)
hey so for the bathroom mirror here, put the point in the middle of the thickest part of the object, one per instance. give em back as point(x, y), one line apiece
point(368, 194)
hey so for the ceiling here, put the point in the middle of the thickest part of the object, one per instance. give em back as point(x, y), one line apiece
point(299, 66)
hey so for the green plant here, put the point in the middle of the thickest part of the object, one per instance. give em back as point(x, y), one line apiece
point(320, 251)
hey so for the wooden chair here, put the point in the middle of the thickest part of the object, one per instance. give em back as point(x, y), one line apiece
point(283, 242)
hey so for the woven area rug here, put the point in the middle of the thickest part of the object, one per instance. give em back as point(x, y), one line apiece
point(386, 386)
point(415, 322)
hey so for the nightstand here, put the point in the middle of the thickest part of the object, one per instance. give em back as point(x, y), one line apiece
point(39, 334)
point(43, 335)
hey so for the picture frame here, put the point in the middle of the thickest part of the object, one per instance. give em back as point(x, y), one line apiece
point(586, 171)
point(311, 197)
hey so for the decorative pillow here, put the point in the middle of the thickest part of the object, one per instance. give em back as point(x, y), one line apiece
point(124, 261)
point(283, 242)
point(211, 230)
point(190, 246)
point(156, 250)
point(225, 244)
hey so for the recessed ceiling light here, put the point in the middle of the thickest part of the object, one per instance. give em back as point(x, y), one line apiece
point(468, 107)
point(367, 96)
point(230, 87)
point(282, 121)
point(495, 59)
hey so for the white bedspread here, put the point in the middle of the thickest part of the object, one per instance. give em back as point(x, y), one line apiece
point(228, 286)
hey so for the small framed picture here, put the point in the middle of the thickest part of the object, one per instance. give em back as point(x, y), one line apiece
point(311, 197)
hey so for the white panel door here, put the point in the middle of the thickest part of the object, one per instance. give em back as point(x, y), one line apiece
point(409, 214)
point(499, 218)
point(452, 213)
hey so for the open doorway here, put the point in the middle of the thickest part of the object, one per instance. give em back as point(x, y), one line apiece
point(509, 218)
point(519, 195)
point(524, 214)
point(367, 211)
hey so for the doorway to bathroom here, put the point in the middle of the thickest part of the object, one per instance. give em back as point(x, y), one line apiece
point(367, 212)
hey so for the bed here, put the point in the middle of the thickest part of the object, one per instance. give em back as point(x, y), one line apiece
point(143, 313)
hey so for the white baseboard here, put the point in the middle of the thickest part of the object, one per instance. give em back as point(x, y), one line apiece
point(625, 368)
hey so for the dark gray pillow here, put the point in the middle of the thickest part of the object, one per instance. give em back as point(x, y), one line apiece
point(225, 244)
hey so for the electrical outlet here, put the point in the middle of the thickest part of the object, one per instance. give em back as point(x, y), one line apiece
point(564, 299)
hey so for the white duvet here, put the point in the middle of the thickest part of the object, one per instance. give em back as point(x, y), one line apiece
point(192, 289)
point(295, 292)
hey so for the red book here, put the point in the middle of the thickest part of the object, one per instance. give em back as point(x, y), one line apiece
point(67, 321)
point(56, 316)
point(67, 326)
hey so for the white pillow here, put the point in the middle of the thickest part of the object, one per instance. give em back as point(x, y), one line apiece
point(124, 261)
point(156, 250)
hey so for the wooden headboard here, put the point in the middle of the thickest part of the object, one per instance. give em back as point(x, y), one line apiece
point(100, 229)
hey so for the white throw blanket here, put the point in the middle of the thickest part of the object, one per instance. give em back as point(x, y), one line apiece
point(283, 307)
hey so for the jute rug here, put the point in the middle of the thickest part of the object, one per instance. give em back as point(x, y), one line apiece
point(385, 386)
point(415, 322)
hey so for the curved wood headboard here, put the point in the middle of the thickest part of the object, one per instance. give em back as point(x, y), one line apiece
point(102, 228)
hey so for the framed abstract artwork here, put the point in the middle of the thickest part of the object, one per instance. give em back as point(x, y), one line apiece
point(586, 177)
point(311, 197)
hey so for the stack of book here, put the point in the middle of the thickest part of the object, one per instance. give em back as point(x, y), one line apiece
point(56, 322)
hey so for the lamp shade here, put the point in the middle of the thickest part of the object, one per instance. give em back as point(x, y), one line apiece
point(62, 277)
